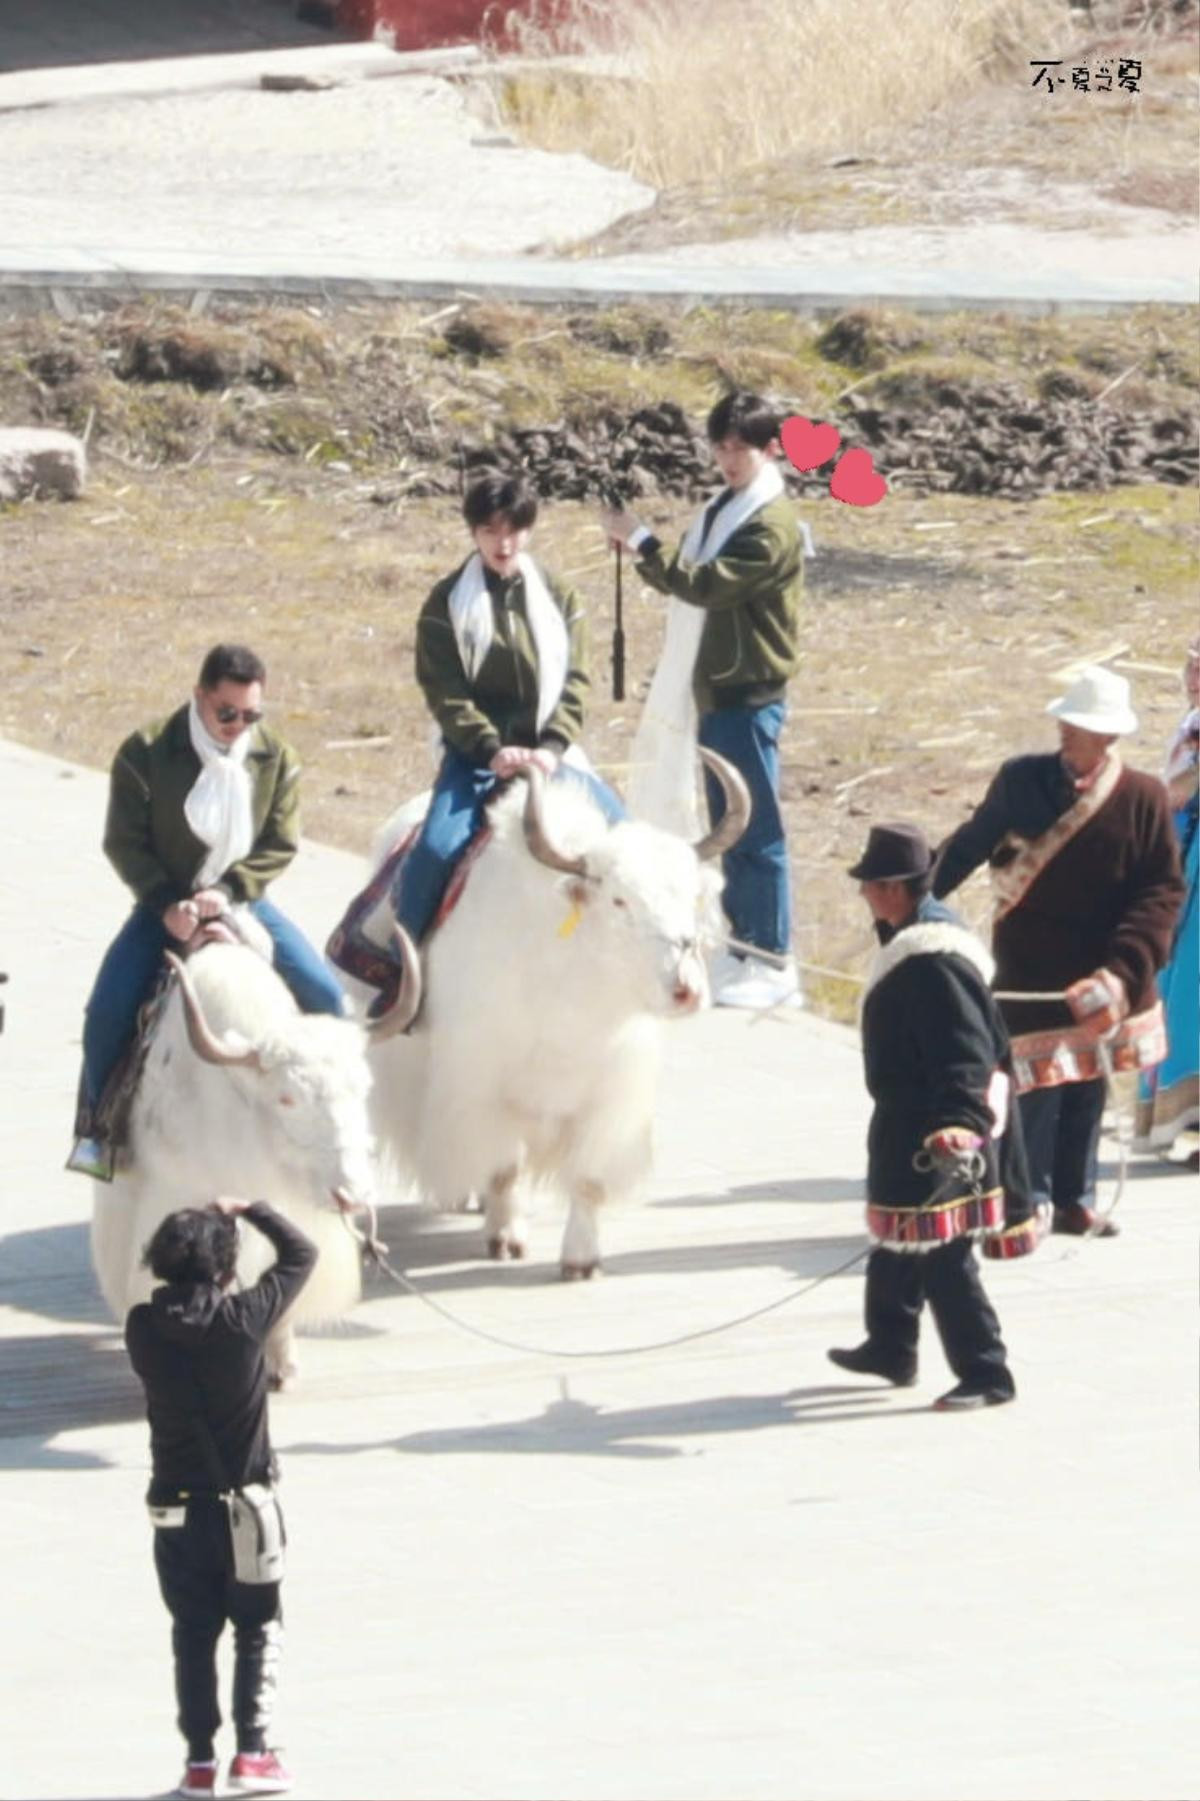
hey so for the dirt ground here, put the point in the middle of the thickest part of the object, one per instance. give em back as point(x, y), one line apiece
point(936, 627)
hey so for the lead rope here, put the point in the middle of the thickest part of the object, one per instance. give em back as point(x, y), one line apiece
point(376, 1251)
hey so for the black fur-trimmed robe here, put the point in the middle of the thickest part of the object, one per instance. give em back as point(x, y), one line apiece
point(934, 1045)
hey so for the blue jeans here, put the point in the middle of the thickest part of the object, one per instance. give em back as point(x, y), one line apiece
point(1061, 1127)
point(757, 896)
point(131, 965)
point(455, 814)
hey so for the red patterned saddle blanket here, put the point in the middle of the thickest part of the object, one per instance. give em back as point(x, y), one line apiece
point(350, 947)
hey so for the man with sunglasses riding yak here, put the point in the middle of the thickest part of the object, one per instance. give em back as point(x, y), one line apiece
point(203, 811)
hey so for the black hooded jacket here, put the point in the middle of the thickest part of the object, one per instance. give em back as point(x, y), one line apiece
point(199, 1350)
point(932, 1037)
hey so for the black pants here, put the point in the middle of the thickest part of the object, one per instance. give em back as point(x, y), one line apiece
point(1062, 1141)
point(898, 1285)
point(195, 1573)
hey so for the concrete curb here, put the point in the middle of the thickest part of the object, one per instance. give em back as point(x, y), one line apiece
point(26, 88)
point(550, 283)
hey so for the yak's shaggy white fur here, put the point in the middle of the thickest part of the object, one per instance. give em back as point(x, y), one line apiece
point(290, 1131)
point(537, 1052)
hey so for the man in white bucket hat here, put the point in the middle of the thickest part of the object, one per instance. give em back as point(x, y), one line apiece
point(1087, 888)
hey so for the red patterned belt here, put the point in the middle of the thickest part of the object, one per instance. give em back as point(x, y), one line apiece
point(1070, 1054)
point(924, 1228)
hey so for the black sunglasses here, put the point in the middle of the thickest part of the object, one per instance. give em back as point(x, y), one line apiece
point(247, 715)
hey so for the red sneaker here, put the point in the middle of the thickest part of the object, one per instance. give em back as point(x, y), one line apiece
point(199, 1781)
point(258, 1773)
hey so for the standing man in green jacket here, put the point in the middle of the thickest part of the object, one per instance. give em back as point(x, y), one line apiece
point(502, 662)
point(738, 573)
point(203, 811)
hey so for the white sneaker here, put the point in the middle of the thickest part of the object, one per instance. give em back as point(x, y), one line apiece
point(725, 966)
point(757, 986)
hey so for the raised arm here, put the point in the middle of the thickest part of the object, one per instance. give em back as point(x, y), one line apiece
point(975, 840)
point(756, 561)
point(257, 1310)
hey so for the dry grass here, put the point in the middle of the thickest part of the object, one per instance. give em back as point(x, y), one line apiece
point(928, 109)
point(719, 89)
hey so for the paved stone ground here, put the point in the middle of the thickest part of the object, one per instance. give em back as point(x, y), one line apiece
point(719, 1569)
point(393, 186)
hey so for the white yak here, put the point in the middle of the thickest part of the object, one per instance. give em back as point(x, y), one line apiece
point(537, 1053)
point(243, 1094)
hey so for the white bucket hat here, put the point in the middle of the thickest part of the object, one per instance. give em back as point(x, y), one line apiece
point(1097, 701)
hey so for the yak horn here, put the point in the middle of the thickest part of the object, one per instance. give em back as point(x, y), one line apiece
point(736, 816)
point(536, 836)
point(407, 1005)
point(204, 1040)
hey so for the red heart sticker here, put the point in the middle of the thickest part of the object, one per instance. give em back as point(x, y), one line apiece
point(806, 445)
point(855, 481)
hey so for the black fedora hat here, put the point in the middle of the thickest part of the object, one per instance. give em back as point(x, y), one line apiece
point(894, 853)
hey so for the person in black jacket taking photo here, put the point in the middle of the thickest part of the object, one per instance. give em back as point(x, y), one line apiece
point(198, 1350)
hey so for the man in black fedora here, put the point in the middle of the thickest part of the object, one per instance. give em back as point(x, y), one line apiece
point(945, 1162)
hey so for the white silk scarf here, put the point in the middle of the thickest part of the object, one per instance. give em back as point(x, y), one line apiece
point(474, 623)
point(218, 806)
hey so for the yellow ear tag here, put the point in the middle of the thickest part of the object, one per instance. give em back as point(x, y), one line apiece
point(571, 921)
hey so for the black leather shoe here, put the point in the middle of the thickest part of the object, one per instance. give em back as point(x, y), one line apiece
point(865, 1360)
point(1078, 1221)
point(964, 1397)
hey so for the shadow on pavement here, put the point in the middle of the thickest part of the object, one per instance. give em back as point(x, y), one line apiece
point(574, 1428)
point(48, 1271)
point(74, 32)
point(58, 1382)
point(804, 1190)
point(1144, 1168)
point(423, 1250)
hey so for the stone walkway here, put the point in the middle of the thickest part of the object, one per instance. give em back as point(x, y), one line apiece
point(181, 173)
point(720, 1569)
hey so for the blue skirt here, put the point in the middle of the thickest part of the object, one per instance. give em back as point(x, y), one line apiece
point(1169, 1096)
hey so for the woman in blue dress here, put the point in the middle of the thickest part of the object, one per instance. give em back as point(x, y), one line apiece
point(1169, 1096)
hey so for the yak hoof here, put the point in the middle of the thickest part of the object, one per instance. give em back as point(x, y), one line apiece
point(500, 1248)
point(580, 1272)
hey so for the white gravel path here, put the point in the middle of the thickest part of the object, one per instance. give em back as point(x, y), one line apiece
point(395, 185)
point(380, 168)
point(1133, 259)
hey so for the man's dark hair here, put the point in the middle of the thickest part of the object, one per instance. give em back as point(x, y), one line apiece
point(918, 886)
point(497, 496)
point(193, 1245)
point(745, 416)
point(231, 663)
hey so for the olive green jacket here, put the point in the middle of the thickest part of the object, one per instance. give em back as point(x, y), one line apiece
point(147, 838)
point(498, 705)
point(751, 594)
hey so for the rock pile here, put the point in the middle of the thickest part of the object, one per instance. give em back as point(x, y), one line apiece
point(993, 440)
point(39, 463)
point(964, 440)
point(656, 450)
